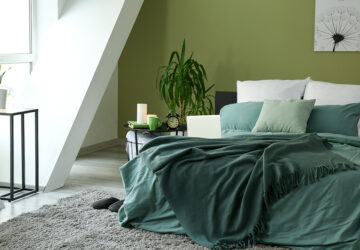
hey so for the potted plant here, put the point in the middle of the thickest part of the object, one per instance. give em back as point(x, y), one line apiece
point(182, 86)
point(3, 92)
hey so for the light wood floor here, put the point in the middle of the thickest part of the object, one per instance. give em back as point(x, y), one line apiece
point(98, 170)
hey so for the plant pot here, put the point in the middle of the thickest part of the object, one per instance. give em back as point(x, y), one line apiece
point(3, 96)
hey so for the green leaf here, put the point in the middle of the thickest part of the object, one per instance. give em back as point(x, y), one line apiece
point(3, 73)
point(182, 85)
point(174, 53)
point(182, 53)
point(203, 71)
point(208, 89)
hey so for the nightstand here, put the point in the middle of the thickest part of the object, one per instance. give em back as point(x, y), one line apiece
point(163, 129)
point(20, 192)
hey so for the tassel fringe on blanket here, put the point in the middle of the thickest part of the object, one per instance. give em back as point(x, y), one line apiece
point(279, 189)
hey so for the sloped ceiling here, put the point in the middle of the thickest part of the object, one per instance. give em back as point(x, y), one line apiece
point(75, 63)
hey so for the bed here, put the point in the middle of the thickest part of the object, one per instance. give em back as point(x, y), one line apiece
point(297, 190)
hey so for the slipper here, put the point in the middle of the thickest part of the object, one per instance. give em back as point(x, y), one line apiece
point(104, 203)
point(115, 206)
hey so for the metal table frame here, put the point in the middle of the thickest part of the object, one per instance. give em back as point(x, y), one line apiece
point(182, 128)
point(11, 196)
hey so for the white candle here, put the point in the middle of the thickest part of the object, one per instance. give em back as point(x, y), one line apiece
point(148, 116)
point(141, 113)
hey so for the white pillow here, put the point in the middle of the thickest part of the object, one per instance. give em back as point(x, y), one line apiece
point(258, 91)
point(333, 94)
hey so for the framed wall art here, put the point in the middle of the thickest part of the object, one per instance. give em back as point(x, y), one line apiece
point(337, 25)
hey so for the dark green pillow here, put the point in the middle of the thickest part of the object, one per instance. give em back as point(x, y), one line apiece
point(336, 119)
point(240, 116)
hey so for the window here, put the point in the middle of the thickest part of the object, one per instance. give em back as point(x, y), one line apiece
point(15, 26)
point(15, 42)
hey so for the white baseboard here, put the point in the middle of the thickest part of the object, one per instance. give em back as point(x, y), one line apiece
point(102, 145)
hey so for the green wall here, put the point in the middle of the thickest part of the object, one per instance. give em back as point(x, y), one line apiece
point(234, 39)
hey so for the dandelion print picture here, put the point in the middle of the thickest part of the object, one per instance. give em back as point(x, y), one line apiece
point(337, 25)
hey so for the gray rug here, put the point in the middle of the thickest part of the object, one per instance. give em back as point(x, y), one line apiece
point(73, 224)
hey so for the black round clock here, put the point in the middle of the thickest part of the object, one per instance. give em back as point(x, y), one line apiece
point(172, 121)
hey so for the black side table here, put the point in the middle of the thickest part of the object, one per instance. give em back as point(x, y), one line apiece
point(11, 196)
point(182, 128)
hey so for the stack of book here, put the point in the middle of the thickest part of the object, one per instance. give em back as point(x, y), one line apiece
point(135, 125)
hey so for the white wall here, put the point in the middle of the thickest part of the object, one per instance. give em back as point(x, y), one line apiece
point(77, 55)
point(105, 26)
point(45, 14)
point(104, 126)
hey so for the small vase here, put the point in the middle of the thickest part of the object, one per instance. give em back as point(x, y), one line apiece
point(3, 96)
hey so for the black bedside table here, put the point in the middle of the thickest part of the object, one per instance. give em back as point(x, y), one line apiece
point(182, 128)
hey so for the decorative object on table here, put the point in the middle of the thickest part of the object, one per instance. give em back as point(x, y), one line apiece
point(148, 117)
point(136, 125)
point(141, 114)
point(3, 96)
point(172, 121)
point(154, 123)
point(3, 92)
point(337, 25)
point(182, 86)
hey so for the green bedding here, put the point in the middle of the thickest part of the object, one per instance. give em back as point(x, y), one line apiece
point(299, 191)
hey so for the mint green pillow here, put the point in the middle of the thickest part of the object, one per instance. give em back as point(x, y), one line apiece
point(336, 119)
point(289, 116)
point(239, 116)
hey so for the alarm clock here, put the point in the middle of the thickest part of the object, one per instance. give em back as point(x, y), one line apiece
point(172, 121)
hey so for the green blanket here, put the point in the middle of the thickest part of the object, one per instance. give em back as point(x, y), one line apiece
point(221, 192)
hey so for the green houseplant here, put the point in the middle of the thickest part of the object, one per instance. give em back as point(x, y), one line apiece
point(3, 92)
point(3, 73)
point(182, 86)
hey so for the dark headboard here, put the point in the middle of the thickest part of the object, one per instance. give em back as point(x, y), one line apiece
point(223, 98)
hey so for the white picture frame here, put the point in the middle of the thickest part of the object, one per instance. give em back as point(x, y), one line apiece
point(337, 25)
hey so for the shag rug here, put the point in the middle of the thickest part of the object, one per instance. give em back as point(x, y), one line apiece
point(74, 224)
